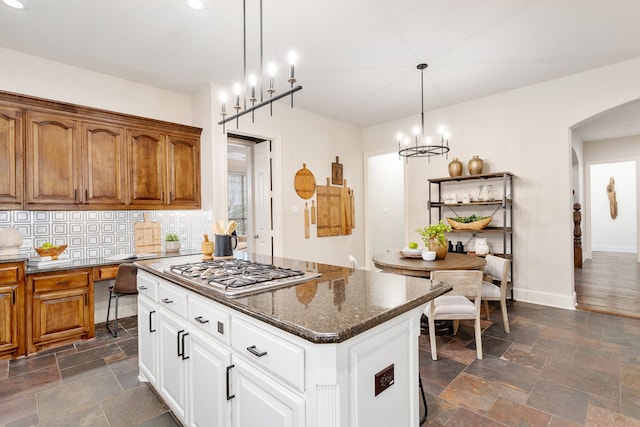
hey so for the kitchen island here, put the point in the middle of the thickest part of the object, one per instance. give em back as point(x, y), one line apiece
point(340, 349)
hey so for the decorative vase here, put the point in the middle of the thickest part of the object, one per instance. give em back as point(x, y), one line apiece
point(455, 167)
point(482, 247)
point(436, 246)
point(475, 166)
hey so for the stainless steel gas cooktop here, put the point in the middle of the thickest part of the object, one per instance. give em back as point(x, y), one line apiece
point(234, 277)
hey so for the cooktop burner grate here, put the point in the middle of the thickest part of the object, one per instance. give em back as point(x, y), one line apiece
point(235, 277)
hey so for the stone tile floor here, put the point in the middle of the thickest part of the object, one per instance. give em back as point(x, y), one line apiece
point(87, 383)
point(556, 368)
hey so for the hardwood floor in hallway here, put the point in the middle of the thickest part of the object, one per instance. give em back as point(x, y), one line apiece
point(609, 283)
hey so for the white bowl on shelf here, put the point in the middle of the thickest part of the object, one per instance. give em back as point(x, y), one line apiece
point(428, 255)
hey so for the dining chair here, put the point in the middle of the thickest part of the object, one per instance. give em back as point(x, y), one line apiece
point(462, 302)
point(124, 285)
point(496, 285)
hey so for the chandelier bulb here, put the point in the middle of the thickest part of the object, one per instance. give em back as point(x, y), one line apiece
point(292, 62)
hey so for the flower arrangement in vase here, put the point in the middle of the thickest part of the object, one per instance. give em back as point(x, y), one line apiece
point(435, 239)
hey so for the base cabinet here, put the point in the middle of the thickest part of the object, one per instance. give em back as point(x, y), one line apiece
point(147, 338)
point(220, 367)
point(60, 308)
point(260, 401)
point(12, 309)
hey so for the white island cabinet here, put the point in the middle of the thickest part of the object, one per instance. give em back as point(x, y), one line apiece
point(219, 362)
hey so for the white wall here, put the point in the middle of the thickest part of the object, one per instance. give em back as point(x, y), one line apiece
point(612, 150)
point(609, 234)
point(30, 75)
point(524, 131)
point(385, 205)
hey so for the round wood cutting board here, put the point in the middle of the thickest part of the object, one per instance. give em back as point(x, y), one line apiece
point(304, 183)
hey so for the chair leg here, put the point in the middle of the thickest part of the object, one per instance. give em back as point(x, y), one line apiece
point(424, 401)
point(114, 330)
point(456, 325)
point(505, 317)
point(486, 308)
point(478, 332)
point(109, 308)
point(432, 338)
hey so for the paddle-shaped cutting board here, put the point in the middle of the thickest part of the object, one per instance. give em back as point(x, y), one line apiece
point(147, 236)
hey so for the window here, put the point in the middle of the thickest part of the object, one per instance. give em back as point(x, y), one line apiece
point(238, 204)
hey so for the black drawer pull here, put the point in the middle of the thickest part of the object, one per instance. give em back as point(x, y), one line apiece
point(150, 322)
point(184, 353)
point(142, 288)
point(199, 319)
point(180, 352)
point(253, 350)
point(229, 396)
point(167, 300)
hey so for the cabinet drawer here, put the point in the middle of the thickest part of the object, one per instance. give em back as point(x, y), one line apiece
point(269, 351)
point(209, 318)
point(60, 281)
point(8, 275)
point(173, 299)
point(147, 286)
point(105, 273)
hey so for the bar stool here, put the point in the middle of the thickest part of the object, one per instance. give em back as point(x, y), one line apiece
point(125, 285)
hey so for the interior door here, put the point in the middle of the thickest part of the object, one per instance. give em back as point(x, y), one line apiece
point(262, 207)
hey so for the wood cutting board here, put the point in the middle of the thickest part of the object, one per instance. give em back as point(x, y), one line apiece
point(304, 182)
point(147, 236)
point(336, 172)
point(329, 220)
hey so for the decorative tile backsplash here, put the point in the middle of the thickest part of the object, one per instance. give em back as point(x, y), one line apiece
point(91, 234)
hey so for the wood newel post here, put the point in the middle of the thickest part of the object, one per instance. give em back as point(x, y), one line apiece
point(577, 236)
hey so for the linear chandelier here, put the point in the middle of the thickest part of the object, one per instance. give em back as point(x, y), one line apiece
point(251, 81)
point(423, 145)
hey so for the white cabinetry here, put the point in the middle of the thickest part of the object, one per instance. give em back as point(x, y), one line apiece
point(219, 367)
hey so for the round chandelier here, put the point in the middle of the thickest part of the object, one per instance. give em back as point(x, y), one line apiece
point(421, 145)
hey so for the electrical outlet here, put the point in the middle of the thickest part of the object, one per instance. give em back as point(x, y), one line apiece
point(221, 328)
point(384, 379)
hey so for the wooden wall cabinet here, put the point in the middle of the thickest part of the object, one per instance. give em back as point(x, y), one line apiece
point(104, 173)
point(183, 171)
point(53, 159)
point(12, 342)
point(60, 308)
point(83, 158)
point(11, 158)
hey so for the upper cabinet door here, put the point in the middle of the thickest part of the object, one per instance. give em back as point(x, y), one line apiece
point(104, 171)
point(183, 171)
point(146, 167)
point(53, 159)
point(11, 158)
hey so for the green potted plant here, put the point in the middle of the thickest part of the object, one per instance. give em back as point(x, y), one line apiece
point(435, 239)
point(172, 242)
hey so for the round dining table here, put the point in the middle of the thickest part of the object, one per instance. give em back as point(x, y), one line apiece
point(393, 261)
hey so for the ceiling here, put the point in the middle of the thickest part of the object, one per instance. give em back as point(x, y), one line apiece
point(357, 58)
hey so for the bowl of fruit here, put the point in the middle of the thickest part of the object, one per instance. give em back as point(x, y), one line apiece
point(48, 249)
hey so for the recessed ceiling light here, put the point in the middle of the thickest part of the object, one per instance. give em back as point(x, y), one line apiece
point(16, 4)
point(196, 4)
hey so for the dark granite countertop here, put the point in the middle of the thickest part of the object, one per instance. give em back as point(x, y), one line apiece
point(332, 308)
point(88, 262)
